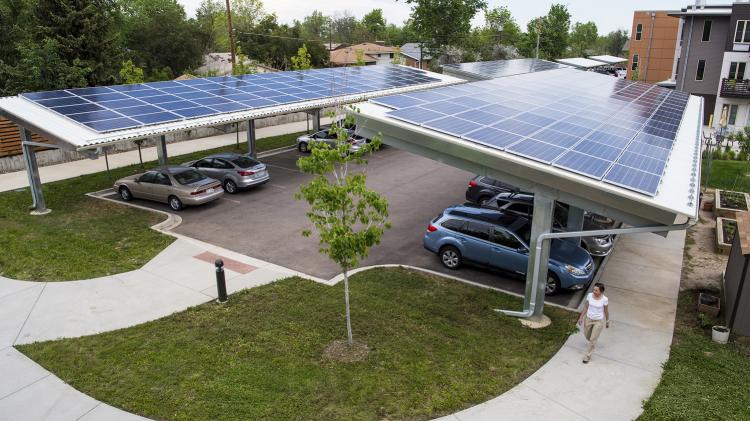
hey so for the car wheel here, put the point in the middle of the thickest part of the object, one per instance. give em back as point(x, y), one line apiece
point(451, 257)
point(175, 203)
point(552, 286)
point(126, 194)
point(230, 187)
point(302, 147)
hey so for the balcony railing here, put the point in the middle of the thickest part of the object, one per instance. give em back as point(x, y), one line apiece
point(736, 88)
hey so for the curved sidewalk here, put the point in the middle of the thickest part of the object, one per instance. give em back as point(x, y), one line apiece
point(642, 278)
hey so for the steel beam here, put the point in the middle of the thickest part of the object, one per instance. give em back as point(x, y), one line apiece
point(38, 206)
point(315, 119)
point(161, 150)
point(251, 149)
point(575, 222)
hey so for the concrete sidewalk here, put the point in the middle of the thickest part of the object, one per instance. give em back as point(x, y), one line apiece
point(19, 179)
point(642, 280)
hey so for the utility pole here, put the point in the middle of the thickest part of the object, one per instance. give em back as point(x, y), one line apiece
point(538, 30)
point(231, 36)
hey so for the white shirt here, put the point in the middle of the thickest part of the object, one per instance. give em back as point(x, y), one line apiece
point(596, 307)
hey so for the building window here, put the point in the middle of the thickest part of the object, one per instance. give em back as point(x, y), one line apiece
point(742, 33)
point(638, 32)
point(737, 70)
point(706, 31)
point(634, 66)
point(733, 114)
point(701, 69)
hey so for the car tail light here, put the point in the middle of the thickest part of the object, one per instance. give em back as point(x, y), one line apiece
point(472, 183)
point(431, 228)
point(245, 173)
point(196, 193)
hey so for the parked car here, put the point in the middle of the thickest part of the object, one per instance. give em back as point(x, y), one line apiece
point(482, 189)
point(522, 204)
point(470, 234)
point(176, 186)
point(327, 135)
point(235, 171)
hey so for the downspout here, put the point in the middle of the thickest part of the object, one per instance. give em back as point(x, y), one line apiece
point(650, 42)
point(550, 235)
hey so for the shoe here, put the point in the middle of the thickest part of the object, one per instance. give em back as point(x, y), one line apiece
point(585, 361)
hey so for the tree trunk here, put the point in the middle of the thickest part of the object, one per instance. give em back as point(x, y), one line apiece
point(346, 300)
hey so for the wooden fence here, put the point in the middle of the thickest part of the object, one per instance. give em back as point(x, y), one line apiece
point(10, 139)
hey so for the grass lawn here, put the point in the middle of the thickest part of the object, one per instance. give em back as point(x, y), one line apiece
point(436, 345)
point(702, 380)
point(730, 175)
point(85, 237)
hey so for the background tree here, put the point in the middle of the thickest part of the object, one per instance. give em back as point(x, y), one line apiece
point(616, 42)
point(344, 27)
point(130, 73)
point(374, 23)
point(499, 23)
point(583, 37)
point(553, 34)
point(40, 67)
point(315, 26)
point(84, 31)
point(442, 23)
point(302, 60)
point(349, 218)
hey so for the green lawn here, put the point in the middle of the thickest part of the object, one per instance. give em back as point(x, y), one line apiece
point(436, 345)
point(730, 175)
point(702, 380)
point(85, 237)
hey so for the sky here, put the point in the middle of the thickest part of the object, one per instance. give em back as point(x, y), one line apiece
point(608, 15)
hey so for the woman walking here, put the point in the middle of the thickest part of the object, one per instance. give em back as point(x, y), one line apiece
point(595, 317)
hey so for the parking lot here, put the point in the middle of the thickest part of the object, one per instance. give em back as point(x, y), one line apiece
point(267, 222)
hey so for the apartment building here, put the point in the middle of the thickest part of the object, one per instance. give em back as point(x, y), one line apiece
point(713, 58)
point(653, 44)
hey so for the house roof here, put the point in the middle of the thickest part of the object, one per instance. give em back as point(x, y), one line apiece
point(411, 49)
point(371, 47)
point(349, 56)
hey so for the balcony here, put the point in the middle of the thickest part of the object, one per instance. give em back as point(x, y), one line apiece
point(732, 88)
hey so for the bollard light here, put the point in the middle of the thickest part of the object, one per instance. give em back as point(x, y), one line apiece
point(221, 283)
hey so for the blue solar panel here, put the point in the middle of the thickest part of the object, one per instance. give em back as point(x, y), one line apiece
point(226, 94)
point(605, 128)
point(398, 101)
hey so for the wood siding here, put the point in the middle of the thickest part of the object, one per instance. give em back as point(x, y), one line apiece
point(10, 139)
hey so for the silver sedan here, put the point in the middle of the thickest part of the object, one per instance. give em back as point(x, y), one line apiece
point(235, 171)
point(177, 186)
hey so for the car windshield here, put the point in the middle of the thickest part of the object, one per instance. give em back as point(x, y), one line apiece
point(244, 162)
point(188, 177)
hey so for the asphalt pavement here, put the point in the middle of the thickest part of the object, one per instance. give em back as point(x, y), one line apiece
point(267, 222)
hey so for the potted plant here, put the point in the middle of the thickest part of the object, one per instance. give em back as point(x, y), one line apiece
point(709, 304)
point(720, 334)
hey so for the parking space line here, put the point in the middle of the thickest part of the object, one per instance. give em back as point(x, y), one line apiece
point(283, 168)
point(276, 186)
point(232, 200)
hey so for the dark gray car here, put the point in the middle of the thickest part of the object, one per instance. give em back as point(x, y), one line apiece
point(235, 171)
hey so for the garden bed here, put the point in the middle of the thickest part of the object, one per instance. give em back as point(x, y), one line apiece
point(730, 202)
point(725, 228)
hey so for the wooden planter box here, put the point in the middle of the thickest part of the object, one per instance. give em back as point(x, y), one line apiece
point(709, 304)
point(728, 203)
point(724, 245)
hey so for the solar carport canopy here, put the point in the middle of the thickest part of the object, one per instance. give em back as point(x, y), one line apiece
point(482, 70)
point(86, 118)
point(622, 148)
point(608, 59)
point(581, 63)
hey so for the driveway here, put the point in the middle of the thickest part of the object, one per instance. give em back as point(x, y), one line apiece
point(267, 222)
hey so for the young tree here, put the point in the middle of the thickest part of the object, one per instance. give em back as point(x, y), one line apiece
point(583, 37)
point(302, 60)
point(130, 73)
point(360, 55)
point(349, 218)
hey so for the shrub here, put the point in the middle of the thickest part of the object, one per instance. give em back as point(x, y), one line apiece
point(730, 155)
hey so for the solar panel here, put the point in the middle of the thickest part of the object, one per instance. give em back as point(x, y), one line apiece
point(110, 108)
point(617, 131)
point(501, 68)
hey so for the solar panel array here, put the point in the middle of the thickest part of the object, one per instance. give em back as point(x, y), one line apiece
point(502, 68)
point(111, 108)
point(614, 130)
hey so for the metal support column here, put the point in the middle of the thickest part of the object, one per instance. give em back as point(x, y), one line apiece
point(536, 271)
point(251, 149)
point(161, 150)
point(316, 120)
point(575, 223)
point(38, 206)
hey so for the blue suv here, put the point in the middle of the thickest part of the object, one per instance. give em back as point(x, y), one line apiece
point(500, 240)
